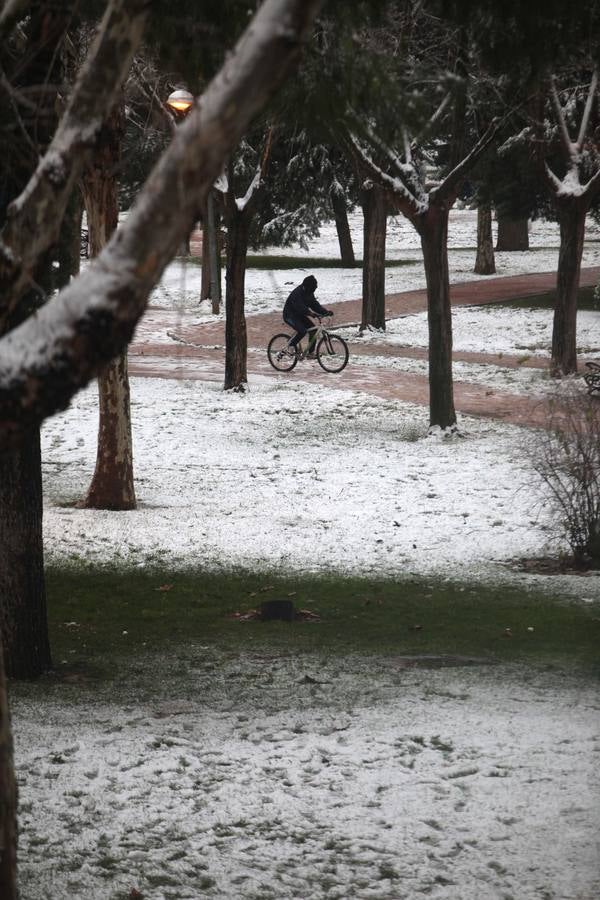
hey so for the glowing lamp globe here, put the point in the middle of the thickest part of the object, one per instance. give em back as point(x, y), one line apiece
point(180, 101)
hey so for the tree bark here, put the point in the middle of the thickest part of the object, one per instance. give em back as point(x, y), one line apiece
point(34, 217)
point(485, 263)
point(214, 253)
point(236, 339)
point(340, 213)
point(513, 234)
point(23, 615)
point(374, 204)
point(69, 242)
point(112, 483)
point(433, 230)
point(572, 213)
point(8, 799)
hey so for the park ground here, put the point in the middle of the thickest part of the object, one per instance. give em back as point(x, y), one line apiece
point(432, 728)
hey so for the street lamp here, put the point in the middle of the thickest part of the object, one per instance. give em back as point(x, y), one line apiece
point(180, 101)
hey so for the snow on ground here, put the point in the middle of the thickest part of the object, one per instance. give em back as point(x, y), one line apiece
point(264, 479)
point(372, 781)
point(267, 290)
point(518, 332)
point(240, 777)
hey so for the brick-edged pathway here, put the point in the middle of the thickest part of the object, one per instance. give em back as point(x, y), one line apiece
point(197, 351)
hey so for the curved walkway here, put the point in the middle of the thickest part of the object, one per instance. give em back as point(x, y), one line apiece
point(196, 351)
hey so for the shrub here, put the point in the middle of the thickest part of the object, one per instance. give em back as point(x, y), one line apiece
point(567, 458)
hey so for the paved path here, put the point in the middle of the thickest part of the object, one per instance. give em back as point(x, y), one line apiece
point(196, 351)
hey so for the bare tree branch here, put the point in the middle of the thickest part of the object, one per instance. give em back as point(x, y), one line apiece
point(568, 146)
point(448, 185)
point(54, 353)
point(33, 219)
point(396, 187)
point(432, 121)
point(11, 12)
point(587, 111)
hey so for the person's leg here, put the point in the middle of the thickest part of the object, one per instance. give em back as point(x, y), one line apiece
point(301, 324)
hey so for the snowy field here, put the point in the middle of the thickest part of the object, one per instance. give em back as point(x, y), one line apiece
point(267, 290)
point(256, 480)
point(372, 781)
point(243, 778)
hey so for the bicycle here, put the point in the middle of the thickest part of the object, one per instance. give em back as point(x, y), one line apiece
point(331, 351)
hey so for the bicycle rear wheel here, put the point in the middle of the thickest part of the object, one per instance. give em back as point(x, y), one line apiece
point(332, 353)
point(280, 356)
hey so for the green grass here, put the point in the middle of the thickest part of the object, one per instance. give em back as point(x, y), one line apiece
point(121, 615)
point(547, 300)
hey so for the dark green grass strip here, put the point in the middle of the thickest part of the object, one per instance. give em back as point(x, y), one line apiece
point(547, 300)
point(122, 614)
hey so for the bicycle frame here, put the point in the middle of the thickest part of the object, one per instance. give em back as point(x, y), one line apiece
point(320, 332)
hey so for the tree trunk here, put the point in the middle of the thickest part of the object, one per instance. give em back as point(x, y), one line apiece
point(236, 341)
point(571, 215)
point(112, 483)
point(340, 213)
point(23, 616)
point(484, 262)
point(112, 486)
point(69, 242)
point(8, 800)
point(214, 254)
point(513, 234)
point(374, 205)
point(433, 229)
point(205, 278)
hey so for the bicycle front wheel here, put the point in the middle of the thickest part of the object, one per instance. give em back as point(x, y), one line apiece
point(280, 356)
point(332, 353)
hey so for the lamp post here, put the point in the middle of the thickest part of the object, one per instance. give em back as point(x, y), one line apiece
point(180, 102)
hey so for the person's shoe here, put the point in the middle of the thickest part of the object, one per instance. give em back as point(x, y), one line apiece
point(311, 355)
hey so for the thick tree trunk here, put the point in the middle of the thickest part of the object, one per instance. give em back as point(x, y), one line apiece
point(485, 263)
point(23, 617)
point(8, 799)
point(374, 205)
point(433, 229)
point(513, 234)
point(340, 213)
point(236, 340)
point(112, 483)
point(571, 215)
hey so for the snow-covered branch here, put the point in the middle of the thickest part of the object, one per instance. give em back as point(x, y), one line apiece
point(34, 218)
point(406, 199)
point(54, 353)
point(242, 202)
point(452, 179)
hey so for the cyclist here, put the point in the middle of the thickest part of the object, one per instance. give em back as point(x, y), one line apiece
point(300, 304)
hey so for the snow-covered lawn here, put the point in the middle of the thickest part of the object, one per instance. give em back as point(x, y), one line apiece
point(368, 780)
point(247, 779)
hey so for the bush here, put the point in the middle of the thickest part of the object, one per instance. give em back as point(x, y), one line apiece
point(567, 458)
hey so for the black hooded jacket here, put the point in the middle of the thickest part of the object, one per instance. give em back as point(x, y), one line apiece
point(302, 300)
